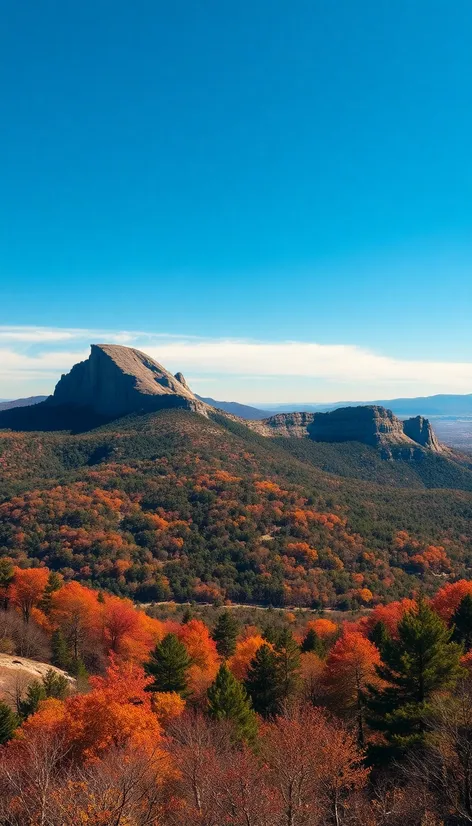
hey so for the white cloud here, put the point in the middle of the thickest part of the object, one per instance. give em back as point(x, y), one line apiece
point(286, 370)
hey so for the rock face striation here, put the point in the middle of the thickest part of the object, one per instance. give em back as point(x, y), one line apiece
point(285, 424)
point(371, 424)
point(419, 429)
point(117, 380)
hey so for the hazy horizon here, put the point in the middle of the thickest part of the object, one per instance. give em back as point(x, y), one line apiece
point(33, 359)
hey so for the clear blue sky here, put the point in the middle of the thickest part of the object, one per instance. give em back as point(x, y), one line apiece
point(269, 170)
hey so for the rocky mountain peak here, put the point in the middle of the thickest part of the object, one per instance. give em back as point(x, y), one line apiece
point(181, 379)
point(117, 380)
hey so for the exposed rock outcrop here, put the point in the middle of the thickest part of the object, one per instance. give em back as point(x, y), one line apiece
point(419, 429)
point(181, 379)
point(284, 424)
point(116, 380)
point(370, 424)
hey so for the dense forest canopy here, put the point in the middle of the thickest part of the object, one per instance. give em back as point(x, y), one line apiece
point(177, 506)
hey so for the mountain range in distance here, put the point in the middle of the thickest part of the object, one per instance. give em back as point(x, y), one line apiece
point(441, 404)
point(10, 404)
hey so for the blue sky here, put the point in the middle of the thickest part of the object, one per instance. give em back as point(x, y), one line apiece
point(286, 184)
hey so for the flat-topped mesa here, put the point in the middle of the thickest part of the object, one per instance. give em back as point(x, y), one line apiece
point(370, 424)
point(117, 380)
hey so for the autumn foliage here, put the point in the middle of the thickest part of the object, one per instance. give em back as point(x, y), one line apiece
point(113, 751)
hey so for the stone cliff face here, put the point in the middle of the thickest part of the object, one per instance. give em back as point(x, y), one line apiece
point(116, 380)
point(284, 424)
point(420, 430)
point(370, 424)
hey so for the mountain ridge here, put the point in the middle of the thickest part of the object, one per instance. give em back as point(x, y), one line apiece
point(440, 404)
point(28, 401)
point(115, 381)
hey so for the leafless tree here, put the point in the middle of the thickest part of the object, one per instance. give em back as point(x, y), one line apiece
point(30, 773)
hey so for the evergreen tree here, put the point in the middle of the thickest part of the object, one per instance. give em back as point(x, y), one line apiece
point(271, 630)
point(312, 643)
point(34, 694)
point(60, 656)
point(462, 623)
point(53, 584)
point(288, 663)
point(7, 573)
point(420, 662)
point(79, 671)
point(225, 633)
point(379, 635)
point(228, 700)
point(168, 665)
point(8, 723)
point(55, 685)
point(263, 682)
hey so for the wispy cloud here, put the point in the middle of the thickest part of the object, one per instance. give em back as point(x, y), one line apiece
point(29, 355)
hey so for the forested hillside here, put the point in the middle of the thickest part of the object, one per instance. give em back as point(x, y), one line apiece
point(176, 505)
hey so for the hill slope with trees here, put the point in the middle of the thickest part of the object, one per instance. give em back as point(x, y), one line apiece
point(177, 505)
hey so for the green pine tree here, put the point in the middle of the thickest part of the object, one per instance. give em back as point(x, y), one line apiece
point(53, 584)
point(79, 671)
point(271, 630)
point(379, 635)
point(55, 685)
point(416, 665)
point(288, 663)
point(263, 682)
point(462, 623)
point(225, 634)
point(7, 573)
point(60, 656)
point(228, 700)
point(312, 643)
point(168, 665)
point(34, 694)
point(8, 723)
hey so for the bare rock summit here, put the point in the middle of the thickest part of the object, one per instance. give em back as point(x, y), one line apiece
point(117, 380)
